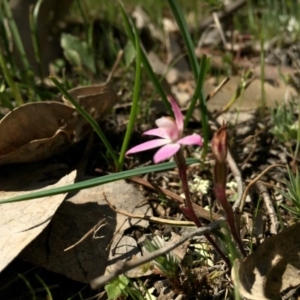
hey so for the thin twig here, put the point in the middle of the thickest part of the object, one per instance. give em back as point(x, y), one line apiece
point(92, 231)
point(249, 156)
point(123, 267)
point(254, 181)
point(219, 27)
point(217, 89)
point(150, 218)
point(116, 64)
point(237, 176)
point(227, 11)
point(269, 207)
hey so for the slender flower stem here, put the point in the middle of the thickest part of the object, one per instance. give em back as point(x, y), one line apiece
point(219, 191)
point(188, 208)
point(219, 146)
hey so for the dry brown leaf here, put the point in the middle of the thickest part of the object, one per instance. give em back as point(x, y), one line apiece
point(95, 99)
point(33, 121)
point(75, 218)
point(35, 131)
point(272, 268)
point(22, 222)
point(38, 149)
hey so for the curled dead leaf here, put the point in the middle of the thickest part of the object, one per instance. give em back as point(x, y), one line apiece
point(272, 268)
point(95, 99)
point(35, 131)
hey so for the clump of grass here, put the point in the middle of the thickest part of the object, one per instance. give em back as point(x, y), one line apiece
point(284, 122)
point(293, 193)
point(276, 19)
point(167, 264)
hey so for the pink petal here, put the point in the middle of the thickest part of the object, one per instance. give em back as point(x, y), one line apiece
point(160, 132)
point(165, 122)
point(170, 126)
point(194, 139)
point(165, 152)
point(177, 113)
point(147, 145)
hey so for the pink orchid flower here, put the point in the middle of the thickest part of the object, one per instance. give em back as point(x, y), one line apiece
point(170, 133)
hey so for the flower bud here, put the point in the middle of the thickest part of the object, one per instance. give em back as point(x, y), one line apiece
point(219, 143)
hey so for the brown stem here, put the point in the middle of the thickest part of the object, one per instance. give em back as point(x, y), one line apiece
point(220, 193)
point(188, 208)
point(180, 161)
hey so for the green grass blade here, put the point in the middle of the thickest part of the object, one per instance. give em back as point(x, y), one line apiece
point(199, 74)
point(85, 20)
point(98, 181)
point(30, 288)
point(49, 295)
point(204, 65)
point(88, 29)
point(198, 94)
point(136, 95)
point(145, 62)
point(90, 119)
point(34, 36)
point(177, 12)
point(16, 35)
point(4, 43)
point(204, 122)
point(10, 81)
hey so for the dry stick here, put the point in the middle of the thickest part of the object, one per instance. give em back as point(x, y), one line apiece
point(151, 218)
point(237, 176)
point(241, 205)
point(268, 184)
point(213, 93)
point(269, 207)
point(93, 230)
point(229, 10)
point(219, 27)
point(199, 211)
point(123, 267)
point(232, 101)
point(217, 89)
point(249, 156)
point(116, 64)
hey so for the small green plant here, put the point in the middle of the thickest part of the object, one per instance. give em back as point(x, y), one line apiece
point(285, 124)
point(167, 264)
point(123, 287)
point(293, 193)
